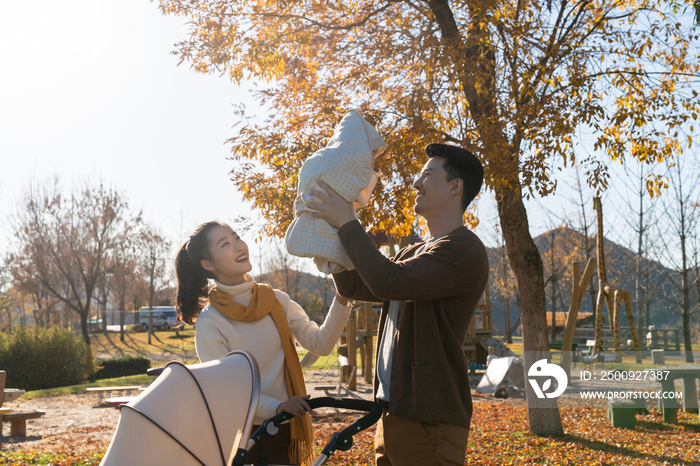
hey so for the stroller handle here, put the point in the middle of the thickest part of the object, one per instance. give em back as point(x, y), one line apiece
point(341, 440)
point(372, 408)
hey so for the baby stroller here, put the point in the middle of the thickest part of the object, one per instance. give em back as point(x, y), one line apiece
point(187, 417)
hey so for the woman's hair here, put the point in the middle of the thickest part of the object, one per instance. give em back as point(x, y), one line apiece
point(192, 278)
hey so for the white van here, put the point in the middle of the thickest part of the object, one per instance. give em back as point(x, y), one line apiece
point(164, 317)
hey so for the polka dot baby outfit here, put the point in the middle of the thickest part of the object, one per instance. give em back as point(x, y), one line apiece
point(346, 164)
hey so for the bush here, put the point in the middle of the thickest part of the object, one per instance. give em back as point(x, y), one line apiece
point(119, 367)
point(35, 360)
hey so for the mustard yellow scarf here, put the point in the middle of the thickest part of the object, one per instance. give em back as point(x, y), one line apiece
point(264, 302)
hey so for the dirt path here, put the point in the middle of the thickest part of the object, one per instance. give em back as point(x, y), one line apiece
point(79, 423)
point(71, 421)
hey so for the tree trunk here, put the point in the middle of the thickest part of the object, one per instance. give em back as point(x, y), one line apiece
point(150, 307)
point(506, 316)
point(84, 313)
point(104, 317)
point(686, 315)
point(122, 319)
point(638, 270)
point(526, 262)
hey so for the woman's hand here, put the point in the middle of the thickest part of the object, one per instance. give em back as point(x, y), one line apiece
point(296, 405)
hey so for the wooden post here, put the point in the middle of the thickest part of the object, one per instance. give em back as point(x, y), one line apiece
point(368, 348)
point(2, 400)
point(343, 341)
point(351, 334)
point(579, 290)
point(362, 336)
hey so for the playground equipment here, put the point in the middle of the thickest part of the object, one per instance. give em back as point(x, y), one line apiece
point(612, 296)
point(579, 289)
point(359, 334)
point(480, 336)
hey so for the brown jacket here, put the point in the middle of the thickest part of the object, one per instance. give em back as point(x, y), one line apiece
point(439, 290)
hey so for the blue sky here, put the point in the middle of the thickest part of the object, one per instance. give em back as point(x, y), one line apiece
point(89, 89)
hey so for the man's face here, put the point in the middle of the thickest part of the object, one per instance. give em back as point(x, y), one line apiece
point(432, 187)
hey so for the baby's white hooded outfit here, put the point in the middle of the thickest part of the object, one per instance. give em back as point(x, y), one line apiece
point(347, 165)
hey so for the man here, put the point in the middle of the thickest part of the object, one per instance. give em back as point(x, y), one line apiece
point(430, 292)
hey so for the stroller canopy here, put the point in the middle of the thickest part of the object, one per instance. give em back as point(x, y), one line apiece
point(190, 415)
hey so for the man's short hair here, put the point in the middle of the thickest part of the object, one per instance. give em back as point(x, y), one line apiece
point(460, 163)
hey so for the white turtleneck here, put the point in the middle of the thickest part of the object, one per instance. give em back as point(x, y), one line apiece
point(216, 335)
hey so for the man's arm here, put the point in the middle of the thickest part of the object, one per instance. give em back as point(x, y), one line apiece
point(451, 264)
point(350, 285)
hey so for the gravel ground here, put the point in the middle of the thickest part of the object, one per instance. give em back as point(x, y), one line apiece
point(81, 423)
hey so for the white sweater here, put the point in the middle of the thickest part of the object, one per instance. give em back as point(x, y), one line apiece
point(216, 335)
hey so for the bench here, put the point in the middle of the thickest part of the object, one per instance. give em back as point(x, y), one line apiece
point(556, 345)
point(589, 356)
point(100, 391)
point(11, 394)
point(116, 402)
point(621, 411)
point(18, 421)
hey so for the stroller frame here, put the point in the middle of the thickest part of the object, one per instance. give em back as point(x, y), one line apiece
point(341, 440)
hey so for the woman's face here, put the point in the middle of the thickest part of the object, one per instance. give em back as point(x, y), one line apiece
point(228, 254)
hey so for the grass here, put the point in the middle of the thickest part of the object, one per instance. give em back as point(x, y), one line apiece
point(166, 344)
point(324, 362)
point(142, 379)
point(136, 343)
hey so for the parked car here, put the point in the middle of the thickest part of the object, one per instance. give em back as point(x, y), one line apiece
point(164, 317)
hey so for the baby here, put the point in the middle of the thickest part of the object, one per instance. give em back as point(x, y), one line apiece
point(346, 164)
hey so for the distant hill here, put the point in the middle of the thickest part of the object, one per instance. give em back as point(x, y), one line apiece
point(568, 246)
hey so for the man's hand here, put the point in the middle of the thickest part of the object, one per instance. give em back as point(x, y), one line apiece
point(296, 405)
point(331, 207)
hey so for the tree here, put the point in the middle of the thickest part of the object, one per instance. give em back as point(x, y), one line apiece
point(64, 241)
point(581, 223)
point(636, 214)
point(284, 271)
point(502, 283)
point(6, 298)
point(680, 218)
point(155, 255)
point(126, 278)
point(513, 81)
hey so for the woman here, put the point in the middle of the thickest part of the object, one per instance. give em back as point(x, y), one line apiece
point(244, 315)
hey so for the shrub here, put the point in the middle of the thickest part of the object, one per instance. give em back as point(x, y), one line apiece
point(35, 360)
point(119, 367)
